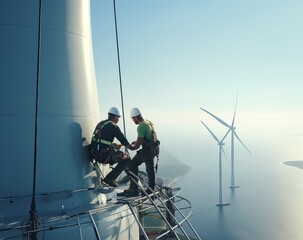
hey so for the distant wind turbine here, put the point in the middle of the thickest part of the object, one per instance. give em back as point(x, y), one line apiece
point(232, 129)
point(220, 143)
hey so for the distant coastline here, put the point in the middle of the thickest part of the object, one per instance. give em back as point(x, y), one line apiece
point(297, 164)
point(171, 169)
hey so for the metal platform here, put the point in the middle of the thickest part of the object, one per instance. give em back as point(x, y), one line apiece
point(163, 214)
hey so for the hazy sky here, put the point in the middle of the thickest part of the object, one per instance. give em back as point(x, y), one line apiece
point(177, 56)
point(180, 55)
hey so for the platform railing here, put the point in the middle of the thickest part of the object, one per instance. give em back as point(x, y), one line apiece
point(165, 204)
point(158, 200)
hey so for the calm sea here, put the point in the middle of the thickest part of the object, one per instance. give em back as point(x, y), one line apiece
point(266, 206)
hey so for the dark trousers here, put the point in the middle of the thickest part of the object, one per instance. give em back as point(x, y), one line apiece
point(134, 164)
point(122, 164)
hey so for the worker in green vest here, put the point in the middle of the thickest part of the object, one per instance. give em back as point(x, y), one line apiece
point(145, 138)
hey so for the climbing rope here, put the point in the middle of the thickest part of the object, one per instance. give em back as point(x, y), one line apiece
point(34, 219)
point(119, 65)
point(119, 68)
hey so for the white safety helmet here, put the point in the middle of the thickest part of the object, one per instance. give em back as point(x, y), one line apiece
point(135, 112)
point(114, 111)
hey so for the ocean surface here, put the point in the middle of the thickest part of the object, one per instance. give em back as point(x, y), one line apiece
point(266, 206)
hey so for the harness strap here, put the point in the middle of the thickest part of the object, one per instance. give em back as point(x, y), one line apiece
point(105, 123)
point(151, 127)
point(150, 124)
point(153, 142)
point(98, 140)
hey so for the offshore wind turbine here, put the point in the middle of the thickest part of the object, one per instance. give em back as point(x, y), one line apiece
point(221, 144)
point(232, 129)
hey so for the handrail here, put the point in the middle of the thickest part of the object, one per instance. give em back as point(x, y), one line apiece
point(186, 219)
point(58, 193)
point(132, 177)
point(167, 210)
point(167, 199)
point(138, 222)
point(79, 226)
point(59, 218)
point(95, 226)
point(180, 222)
point(158, 200)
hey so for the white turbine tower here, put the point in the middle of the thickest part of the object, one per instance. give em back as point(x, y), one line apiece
point(232, 129)
point(220, 143)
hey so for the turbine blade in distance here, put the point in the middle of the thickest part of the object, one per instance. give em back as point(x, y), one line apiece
point(218, 119)
point(214, 136)
point(235, 111)
point(225, 155)
point(241, 142)
point(225, 135)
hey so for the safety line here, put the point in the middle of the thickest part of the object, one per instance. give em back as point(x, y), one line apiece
point(119, 65)
point(33, 219)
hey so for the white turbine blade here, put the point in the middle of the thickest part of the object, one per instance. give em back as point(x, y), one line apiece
point(214, 136)
point(232, 124)
point(241, 142)
point(225, 155)
point(218, 119)
point(225, 135)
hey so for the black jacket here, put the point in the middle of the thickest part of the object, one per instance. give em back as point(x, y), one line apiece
point(110, 131)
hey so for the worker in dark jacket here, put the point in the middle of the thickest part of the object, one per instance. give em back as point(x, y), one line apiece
point(105, 151)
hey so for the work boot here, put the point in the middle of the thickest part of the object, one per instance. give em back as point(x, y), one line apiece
point(130, 193)
point(110, 182)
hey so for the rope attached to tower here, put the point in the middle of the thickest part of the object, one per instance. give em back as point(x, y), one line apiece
point(34, 220)
point(119, 65)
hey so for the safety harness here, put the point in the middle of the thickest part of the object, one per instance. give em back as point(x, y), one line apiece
point(97, 133)
point(96, 150)
point(154, 144)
